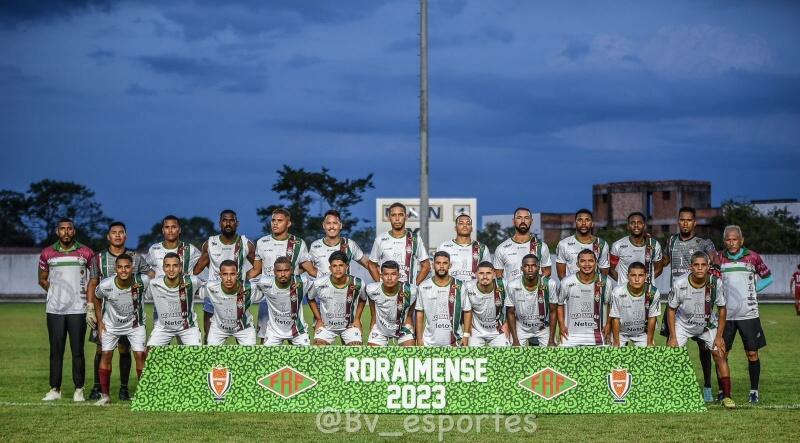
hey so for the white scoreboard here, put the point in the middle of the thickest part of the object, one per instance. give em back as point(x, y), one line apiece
point(442, 213)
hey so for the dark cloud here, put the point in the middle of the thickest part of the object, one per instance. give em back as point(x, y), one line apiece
point(205, 72)
point(17, 11)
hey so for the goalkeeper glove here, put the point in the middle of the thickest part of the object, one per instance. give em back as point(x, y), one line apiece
point(91, 317)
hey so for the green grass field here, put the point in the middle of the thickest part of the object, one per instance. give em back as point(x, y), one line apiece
point(24, 375)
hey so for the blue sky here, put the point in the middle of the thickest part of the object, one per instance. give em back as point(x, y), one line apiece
point(187, 107)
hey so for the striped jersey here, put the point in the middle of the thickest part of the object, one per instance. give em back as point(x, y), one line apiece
point(175, 306)
point(268, 248)
point(285, 306)
point(408, 251)
point(319, 253)
point(464, 259)
point(488, 309)
point(337, 305)
point(219, 252)
point(391, 310)
point(695, 306)
point(123, 308)
point(634, 311)
point(68, 275)
point(104, 264)
point(442, 327)
point(188, 252)
point(739, 274)
point(232, 311)
point(624, 252)
point(568, 249)
point(680, 254)
point(532, 308)
point(508, 256)
point(585, 304)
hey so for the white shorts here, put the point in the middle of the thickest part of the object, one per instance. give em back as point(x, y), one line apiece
point(707, 336)
point(378, 339)
point(573, 340)
point(496, 340)
point(637, 340)
point(540, 338)
point(162, 337)
point(348, 335)
point(245, 337)
point(276, 340)
point(263, 316)
point(136, 336)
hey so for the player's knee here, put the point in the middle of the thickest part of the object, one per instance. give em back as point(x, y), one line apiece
point(318, 342)
point(752, 355)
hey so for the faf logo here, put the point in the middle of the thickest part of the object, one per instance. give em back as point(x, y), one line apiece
point(219, 381)
point(286, 382)
point(619, 383)
point(548, 383)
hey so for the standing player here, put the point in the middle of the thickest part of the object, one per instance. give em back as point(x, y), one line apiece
point(691, 314)
point(508, 255)
point(638, 246)
point(63, 274)
point(230, 298)
point(744, 275)
point(321, 249)
point(402, 246)
point(284, 292)
point(583, 304)
point(104, 266)
point(441, 303)
point(228, 245)
point(465, 253)
point(795, 284)
point(391, 306)
point(532, 305)
point(173, 295)
point(188, 253)
point(568, 248)
point(677, 255)
point(634, 308)
point(279, 244)
point(333, 299)
point(122, 316)
point(487, 296)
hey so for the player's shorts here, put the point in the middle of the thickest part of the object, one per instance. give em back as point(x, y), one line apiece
point(706, 337)
point(162, 337)
point(277, 340)
point(750, 330)
point(208, 306)
point(573, 340)
point(263, 317)
point(348, 335)
point(123, 340)
point(540, 338)
point(495, 341)
point(245, 337)
point(639, 340)
point(378, 339)
point(136, 337)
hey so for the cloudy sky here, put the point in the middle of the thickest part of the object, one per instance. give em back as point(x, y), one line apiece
point(191, 106)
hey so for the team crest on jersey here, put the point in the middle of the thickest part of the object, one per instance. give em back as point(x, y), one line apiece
point(240, 304)
point(349, 299)
point(452, 298)
point(708, 298)
point(619, 384)
point(219, 382)
point(597, 297)
point(182, 297)
point(293, 297)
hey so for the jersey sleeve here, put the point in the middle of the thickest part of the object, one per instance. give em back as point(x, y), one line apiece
point(259, 252)
point(43, 265)
point(655, 305)
point(613, 254)
point(509, 303)
point(197, 283)
point(614, 311)
point(486, 255)
point(720, 301)
point(603, 262)
point(194, 256)
point(312, 290)
point(150, 259)
point(761, 268)
point(204, 293)
point(709, 247)
point(608, 288)
point(545, 260)
point(414, 292)
point(553, 286)
point(657, 252)
point(561, 252)
point(674, 299)
point(466, 304)
point(304, 255)
point(422, 251)
point(563, 294)
point(499, 260)
point(94, 267)
point(362, 293)
point(142, 267)
point(375, 254)
point(358, 254)
point(100, 292)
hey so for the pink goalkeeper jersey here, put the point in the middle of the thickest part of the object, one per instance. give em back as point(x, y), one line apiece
point(68, 275)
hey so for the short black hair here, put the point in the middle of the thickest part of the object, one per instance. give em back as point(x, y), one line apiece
point(634, 214)
point(527, 256)
point(228, 263)
point(170, 217)
point(124, 256)
point(464, 215)
point(587, 251)
point(332, 212)
point(398, 205)
point(391, 264)
point(584, 211)
point(637, 265)
point(227, 211)
point(338, 255)
point(521, 208)
point(117, 223)
point(65, 220)
point(700, 254)
point(282, 211)
point(444, 254)
point(172, 255)
point(282, 259)
point(688, 209)
point(485, 264)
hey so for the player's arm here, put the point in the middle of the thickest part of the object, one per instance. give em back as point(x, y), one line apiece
point(374, 270)
point(424, 270)
point(409, 321)
point(43, 279)
point(614, 331)
point(562, 325)
point(93, 315)
point(511, 321)
point(719, 340)
point(673, 338)
point(467, 328)
point(312, 304)
point(309, 267)
point(419, 327)
point(612, 271)
point(651, 329)
point(203, 261)
point(251, 252)
point(359, 312)
point(553, 322)
point(498, 273)
point(561, 270)
point(364, 261)
point(256, 270)
point(372, 313)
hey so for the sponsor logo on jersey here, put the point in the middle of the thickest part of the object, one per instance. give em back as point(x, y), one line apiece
point(219, 382)
point(619, 384)
point(287, 382)
point(548, 383)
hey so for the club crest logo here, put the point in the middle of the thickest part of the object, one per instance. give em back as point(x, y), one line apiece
point(619, 384)
point(286, 382)
point(219, 382)
point(548, 383)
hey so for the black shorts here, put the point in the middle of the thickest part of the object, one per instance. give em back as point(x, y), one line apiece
point(752, 335)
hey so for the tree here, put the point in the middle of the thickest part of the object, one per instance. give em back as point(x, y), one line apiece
point(773, 233)
point(194, 230)
point(13, 229)
point(492, 235)
point(299, 189)
point(612, 234)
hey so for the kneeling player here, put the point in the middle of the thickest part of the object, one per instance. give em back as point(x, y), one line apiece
point(582, 304)
point(634, 309)
point(691, 314)
point(173, 295)
point(230, 299)
point(532, 306)
point(333, 300)
point(441, 303)
point(123, 316)
point(391, 305)
point(487, 296)
point(284, 294)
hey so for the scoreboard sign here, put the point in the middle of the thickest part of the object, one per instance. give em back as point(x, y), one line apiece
point(418, 380)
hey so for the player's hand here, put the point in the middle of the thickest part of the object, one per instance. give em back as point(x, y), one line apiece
point(719, 343)
point(357, 324)
point(672, 342)
point(317, 327)
point(465, 342)
point(91, 317)
point(564, 334)
point(514, 342)
point(101, 327)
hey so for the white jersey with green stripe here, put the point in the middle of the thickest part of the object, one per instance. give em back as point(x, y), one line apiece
point(627, 253)
point(104, 264)
point(532, 308)
point(508, 257)
point(219, 252)
point(188, 252)
point(268, 248)
point(337, 305)
point(280, 302)
point(434, 301)
point(630, 309)
point(232, 311)
point(584, 312)
point(390, 314)
point(319, 253)
point(465, 258)
point(122, 310)
point(568, 249)
point(175, 305)
point(485, 308)
point(388, 248)
point(690, 304)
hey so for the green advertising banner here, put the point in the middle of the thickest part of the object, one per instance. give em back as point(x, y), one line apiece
point(419, 380)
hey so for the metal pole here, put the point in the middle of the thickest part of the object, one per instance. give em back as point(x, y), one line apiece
point(423, 121)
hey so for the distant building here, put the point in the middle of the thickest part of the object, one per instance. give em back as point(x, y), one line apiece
point(442, 213)
point(790, 204)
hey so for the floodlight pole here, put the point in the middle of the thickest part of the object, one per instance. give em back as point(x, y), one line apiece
point(423, 121)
